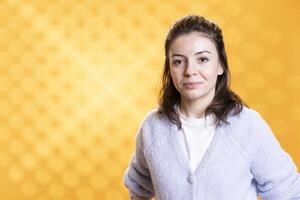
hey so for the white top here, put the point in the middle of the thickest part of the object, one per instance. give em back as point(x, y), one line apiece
point(196, 137)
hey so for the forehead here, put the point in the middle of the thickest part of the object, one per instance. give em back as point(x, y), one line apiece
point(191, 43)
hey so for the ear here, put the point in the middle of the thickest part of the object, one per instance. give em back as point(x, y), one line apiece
point(220, 72)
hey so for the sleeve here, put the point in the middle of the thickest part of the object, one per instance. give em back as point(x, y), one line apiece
point(273, 169)
point(137, 177)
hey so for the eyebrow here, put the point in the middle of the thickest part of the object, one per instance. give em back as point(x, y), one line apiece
point(199, 52)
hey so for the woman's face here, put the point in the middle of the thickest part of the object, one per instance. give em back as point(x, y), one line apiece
point(194, 66)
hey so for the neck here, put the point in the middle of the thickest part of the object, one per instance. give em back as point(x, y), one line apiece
point(195, 109)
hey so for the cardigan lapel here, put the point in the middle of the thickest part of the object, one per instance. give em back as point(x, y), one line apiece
point(173, 134)
point(174, 141)
point(219, 132)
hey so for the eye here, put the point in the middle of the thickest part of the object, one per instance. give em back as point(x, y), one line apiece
point(177, 62)
point(203, 59)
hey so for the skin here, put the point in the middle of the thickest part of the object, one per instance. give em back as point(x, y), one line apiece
point(194, 58)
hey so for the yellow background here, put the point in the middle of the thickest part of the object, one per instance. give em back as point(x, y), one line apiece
point(77, 77)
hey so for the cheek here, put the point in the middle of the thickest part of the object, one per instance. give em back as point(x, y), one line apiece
point(213, 78)
point(211, 74)
point(175, 76)
point(176, 81)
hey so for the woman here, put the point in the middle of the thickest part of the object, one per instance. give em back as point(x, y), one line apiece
point(204, 142)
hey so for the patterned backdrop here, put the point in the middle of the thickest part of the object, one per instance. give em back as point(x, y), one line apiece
point(77, 78)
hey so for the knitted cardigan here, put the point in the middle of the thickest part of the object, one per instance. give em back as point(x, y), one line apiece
point(243, 161)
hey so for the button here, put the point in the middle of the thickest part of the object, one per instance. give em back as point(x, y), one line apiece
point(190, 179)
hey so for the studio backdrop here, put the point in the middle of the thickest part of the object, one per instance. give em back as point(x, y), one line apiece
point(77, 77)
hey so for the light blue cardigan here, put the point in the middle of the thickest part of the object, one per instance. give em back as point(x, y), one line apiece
point(244, 160)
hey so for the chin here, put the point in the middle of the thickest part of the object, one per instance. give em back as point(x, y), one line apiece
point(192, 96)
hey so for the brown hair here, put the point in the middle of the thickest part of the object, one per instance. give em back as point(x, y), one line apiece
point(225, 100)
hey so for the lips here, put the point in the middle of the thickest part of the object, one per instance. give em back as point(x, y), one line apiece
point(191, 83)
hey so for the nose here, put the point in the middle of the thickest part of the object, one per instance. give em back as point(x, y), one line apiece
point(190, 69)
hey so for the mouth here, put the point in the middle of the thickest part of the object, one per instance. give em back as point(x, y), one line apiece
point(192, 85)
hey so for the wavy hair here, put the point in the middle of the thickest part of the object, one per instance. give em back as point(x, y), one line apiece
point(225, 100)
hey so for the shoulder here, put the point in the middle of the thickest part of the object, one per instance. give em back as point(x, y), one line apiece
point(257, 127)
point(244, 116)
point(246, 119)
point(151, 115)
point(153, 119)
point(248, 130)
point(245, 122)
point(153, 127)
